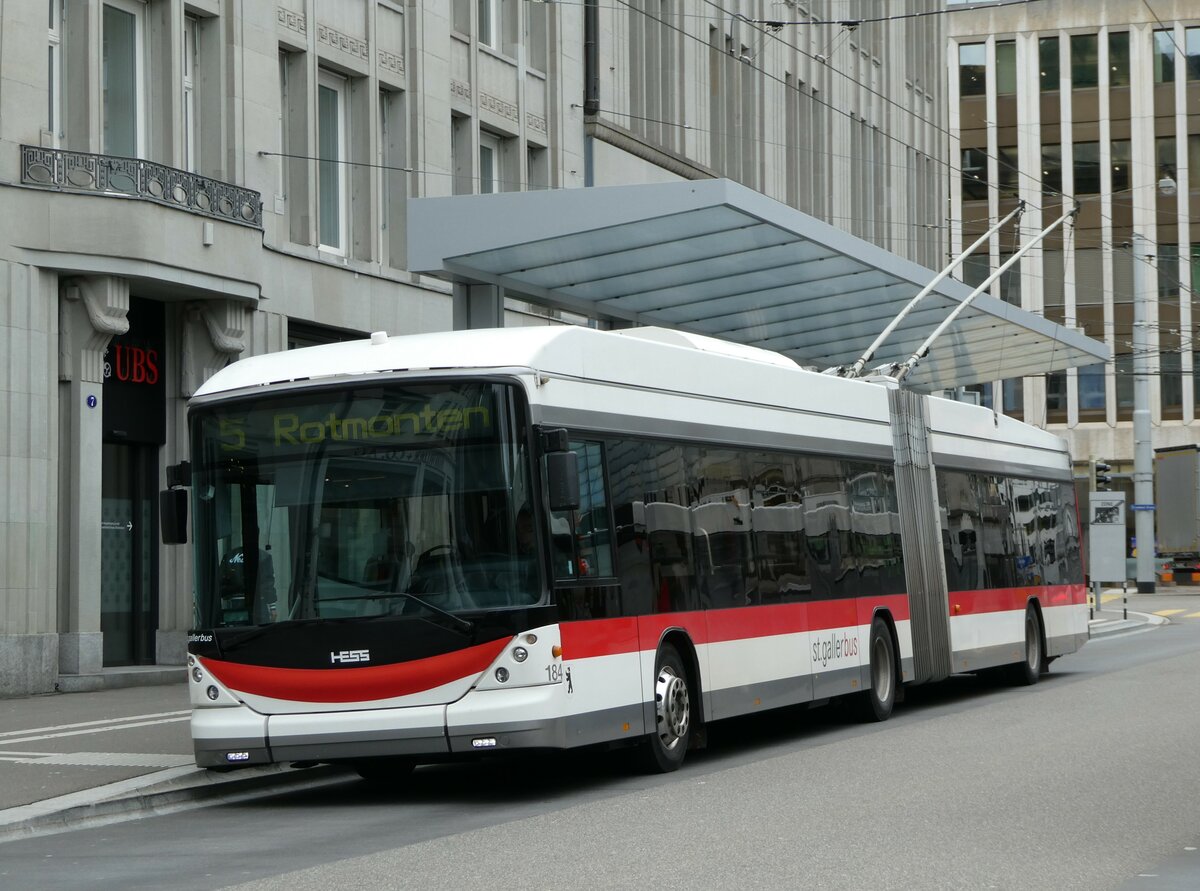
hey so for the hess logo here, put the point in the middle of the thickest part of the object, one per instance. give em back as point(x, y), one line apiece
point(346, 657)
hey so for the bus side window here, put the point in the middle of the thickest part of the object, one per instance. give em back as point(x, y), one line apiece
point(581, 541)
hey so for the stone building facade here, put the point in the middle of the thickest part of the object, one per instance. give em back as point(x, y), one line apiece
point(187, 183)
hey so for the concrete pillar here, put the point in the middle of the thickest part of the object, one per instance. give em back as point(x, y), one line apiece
point(91, 311)
point(478, 306)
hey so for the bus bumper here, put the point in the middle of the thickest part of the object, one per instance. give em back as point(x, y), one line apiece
point(481, 721)
point(229, 737)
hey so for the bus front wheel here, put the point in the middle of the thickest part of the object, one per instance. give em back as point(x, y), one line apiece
point(667, 743)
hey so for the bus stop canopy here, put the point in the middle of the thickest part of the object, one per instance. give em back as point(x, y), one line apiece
point(714, 257)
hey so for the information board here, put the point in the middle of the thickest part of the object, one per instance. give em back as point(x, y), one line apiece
point(1106, 537)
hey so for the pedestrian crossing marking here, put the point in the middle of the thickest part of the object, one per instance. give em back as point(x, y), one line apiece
point(1168, 612)
point(1109, 598)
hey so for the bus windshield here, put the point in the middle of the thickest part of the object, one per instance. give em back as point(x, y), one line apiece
point(390, 500)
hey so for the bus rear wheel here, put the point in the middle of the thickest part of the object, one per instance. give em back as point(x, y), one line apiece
point(1026, 672)
point(876, 703)
point(665, 747)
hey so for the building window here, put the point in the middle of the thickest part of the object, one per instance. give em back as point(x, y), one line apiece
point(1013, 394)
point(536, 35)
point(1007, 171)
point(121, 73)
point(1085, 61)
point(1118, 59)
point(974, 174)
point(1048, 63)
point(1164, 57)
point(331, 151)
point(1006, 68)
point(55, 72)
point(191, 36)
point(1091, 388)
point(1164, 155)
point(489, 164)
point(972, 69)
point(984, 391)
point(1120, 160)
point(1170, 377)
point(976, 269)
point(1191, 47)
point(1052, 169)
point(1123, 366)
point(1087, 168)
point(1196, 378)
point(1056, 396)
point(489, 23)
point(1010, 283)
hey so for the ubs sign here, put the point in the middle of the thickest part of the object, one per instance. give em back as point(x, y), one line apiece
point(134, 392)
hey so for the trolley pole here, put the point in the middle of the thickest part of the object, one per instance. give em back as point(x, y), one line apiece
point(1143, 459)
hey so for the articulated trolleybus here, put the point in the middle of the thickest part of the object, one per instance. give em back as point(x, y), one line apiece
point(440, 546)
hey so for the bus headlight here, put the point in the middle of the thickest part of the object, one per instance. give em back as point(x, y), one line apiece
point(520, 654)
point(502, 674)
point(213, 693)
point(197, 674)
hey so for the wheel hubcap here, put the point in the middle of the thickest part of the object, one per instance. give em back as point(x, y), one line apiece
point(672, 707)
point(881, 670)
point(1033, 645)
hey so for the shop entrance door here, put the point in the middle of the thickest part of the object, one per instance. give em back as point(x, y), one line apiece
point(128, 553)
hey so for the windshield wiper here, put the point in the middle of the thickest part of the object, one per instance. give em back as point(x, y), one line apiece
point(259, 631)
point(466, 626)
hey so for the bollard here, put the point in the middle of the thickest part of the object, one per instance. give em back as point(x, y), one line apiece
point(1125, 599)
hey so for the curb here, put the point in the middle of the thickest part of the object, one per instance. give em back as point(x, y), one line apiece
point(1143, 622)
point(163, 792)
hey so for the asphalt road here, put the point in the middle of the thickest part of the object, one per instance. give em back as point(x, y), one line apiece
point(1087, 780)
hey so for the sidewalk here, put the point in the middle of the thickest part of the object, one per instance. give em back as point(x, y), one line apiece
point(84, 758)
point(74, 759)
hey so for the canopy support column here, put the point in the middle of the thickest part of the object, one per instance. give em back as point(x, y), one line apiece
point(478, 306)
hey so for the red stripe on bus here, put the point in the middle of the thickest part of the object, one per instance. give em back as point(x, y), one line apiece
point(995, 600)
point(356, 684)
point(608, 637)
point(599, 637)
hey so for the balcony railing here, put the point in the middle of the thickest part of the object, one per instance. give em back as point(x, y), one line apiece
point(106, 174)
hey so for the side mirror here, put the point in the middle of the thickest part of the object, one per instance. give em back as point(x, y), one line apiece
point(562, 480)
point(172, 515)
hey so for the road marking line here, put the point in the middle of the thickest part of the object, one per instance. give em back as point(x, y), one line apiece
point(95, 723)
point(1192, 616)
point(101, 759)
point(1109, 598)
point(1168, 612)
point(26, 739)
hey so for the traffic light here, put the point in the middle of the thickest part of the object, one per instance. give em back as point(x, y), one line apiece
point(1101, 474)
